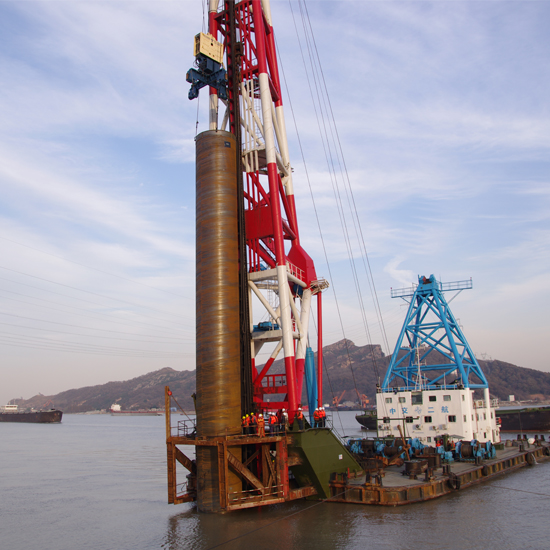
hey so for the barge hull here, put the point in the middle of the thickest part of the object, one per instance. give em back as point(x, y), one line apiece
point(530, 420)
point(395, 490)
point(38, 417)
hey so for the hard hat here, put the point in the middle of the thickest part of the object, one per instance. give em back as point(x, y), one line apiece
point(284, 410)
point(261, 414)
point(246, 416)
point(299, 408)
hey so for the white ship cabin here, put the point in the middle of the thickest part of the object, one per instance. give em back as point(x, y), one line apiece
point(9, 408)
point(430, 413)
point(115, 407)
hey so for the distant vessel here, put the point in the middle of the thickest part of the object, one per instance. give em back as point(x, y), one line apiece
point(368, 419)
point(524, 419)
point(116, 410)
point(11, 413)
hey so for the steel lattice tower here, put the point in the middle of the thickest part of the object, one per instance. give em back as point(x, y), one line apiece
point(431, 350)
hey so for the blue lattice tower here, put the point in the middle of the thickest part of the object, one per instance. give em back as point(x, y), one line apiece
point(430, 327)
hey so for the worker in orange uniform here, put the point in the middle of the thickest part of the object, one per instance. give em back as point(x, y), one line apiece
point(300, 419)
point(322, 417)
point(316, 419)
point(253, 424)
point(261, 425)
point(244, 423)
point(272, 424)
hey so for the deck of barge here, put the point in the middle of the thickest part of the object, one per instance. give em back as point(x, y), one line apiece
point(392, 488)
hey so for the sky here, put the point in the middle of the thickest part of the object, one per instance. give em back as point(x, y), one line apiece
point(443, 116)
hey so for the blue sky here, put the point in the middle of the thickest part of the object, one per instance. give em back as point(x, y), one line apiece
point(443, 114)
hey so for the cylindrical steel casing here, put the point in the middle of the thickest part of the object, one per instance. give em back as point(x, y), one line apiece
point(217, 308)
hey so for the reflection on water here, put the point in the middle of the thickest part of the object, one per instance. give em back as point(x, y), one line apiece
point(100, 483)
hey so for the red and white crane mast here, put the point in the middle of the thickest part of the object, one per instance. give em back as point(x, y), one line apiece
point(245, 29)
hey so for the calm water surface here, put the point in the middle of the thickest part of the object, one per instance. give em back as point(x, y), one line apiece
point(99, 482)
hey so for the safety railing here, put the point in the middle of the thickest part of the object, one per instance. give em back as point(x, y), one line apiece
point(187, 428)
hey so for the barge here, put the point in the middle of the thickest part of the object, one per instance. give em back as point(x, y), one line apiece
point(11, 413)
point(393, 487)
point(524, 419)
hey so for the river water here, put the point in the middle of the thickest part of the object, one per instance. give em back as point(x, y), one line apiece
point(99, 482)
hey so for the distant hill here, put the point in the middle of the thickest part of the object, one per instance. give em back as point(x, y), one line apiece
point(143, 392)
point(346, 367)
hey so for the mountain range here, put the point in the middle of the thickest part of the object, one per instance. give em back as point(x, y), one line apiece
point(347, 368)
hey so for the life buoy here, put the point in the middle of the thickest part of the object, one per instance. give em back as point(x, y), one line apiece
point(530, 459)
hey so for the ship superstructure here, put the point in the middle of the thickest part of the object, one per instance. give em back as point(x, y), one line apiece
point(429, 387)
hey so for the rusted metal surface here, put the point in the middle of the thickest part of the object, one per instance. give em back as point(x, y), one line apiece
point(185, 461)
point(217, 309)
point(374, 490)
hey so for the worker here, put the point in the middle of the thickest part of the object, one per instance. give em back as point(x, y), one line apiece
point(323, 417)
point(244, 424)
point(316, 419)
point(284, 421)
point(261, 425)
point(272, 424)
point(300, 419)
point(253, 424)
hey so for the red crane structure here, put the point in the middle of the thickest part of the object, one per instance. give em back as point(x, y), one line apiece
point(275, 259)
point(250, 263)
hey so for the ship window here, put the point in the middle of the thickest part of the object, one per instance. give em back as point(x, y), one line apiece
point(484, 435)
point(464, 418)
point(416, 398)
point(484, 416)
point(491, 416)
point(452, 418)
point(446, 398)
point(388, 399)
point(477, 416)
point(463, 397)
point(402, 400)
point(433, 398)
point(409, 419)
point(427, 419)
point(429, 439)
point(472, 416)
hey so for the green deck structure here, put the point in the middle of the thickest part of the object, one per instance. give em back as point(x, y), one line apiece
point(314, 454)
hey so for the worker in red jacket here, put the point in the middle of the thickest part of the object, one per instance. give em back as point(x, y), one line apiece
point(273, 424)
point(245, 423)
point(322, 417)
point(316, 419)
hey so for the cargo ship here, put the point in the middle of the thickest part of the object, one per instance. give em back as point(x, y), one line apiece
point(524, 419)
point(11, 413)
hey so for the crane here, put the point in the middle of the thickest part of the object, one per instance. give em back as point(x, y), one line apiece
point(363, 399)
point(250, 263)
point(336, 400)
